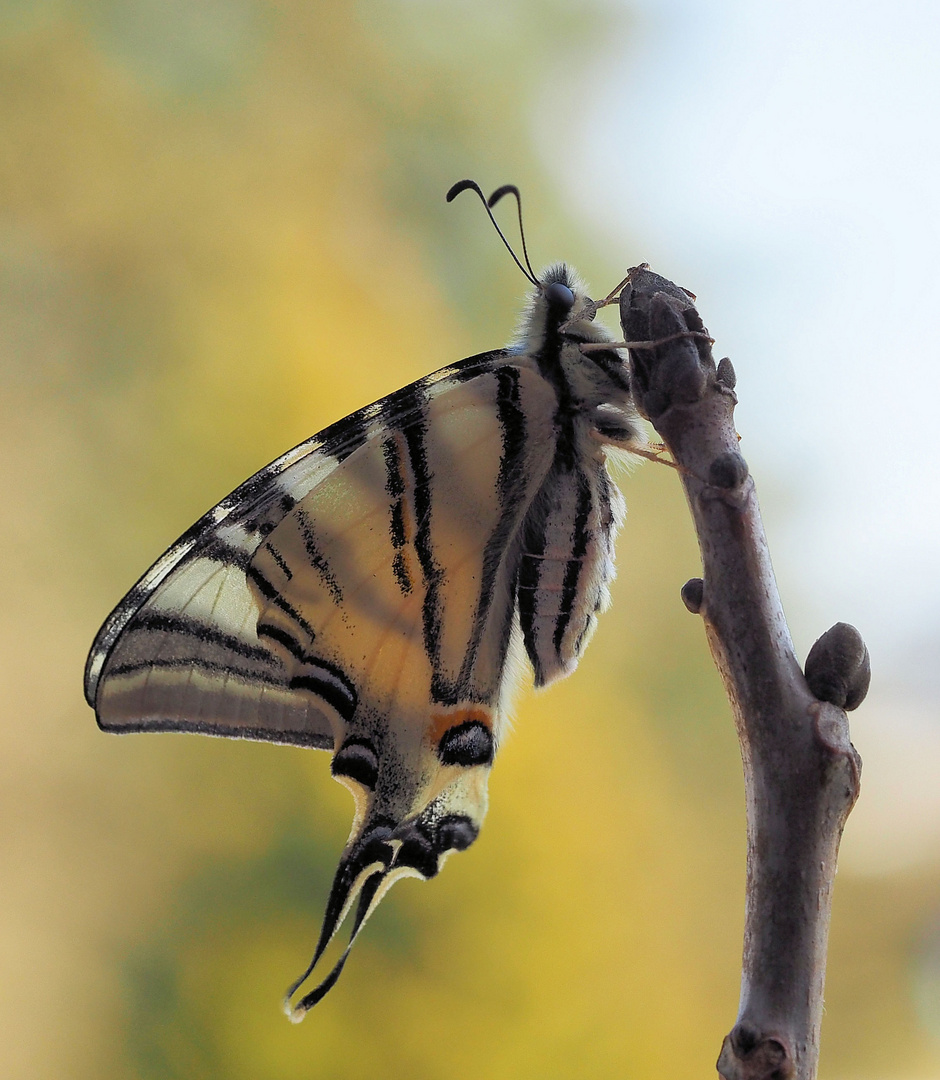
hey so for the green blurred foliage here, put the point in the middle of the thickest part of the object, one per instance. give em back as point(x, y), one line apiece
point(222, 227)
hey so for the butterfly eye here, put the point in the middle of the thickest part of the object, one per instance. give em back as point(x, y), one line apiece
point(469, 743)
point(559, 296)
point(357, 759)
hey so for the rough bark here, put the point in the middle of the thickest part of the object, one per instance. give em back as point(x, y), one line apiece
point(801, 771)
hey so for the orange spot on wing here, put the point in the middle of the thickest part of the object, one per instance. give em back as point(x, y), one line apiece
point(457, 714)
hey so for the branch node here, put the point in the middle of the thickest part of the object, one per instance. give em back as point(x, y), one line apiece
point(831, 731)
point(692, 593)
point(726, 374)
point(831, 727)
point(745, 1055)
point(728, 470)
point(838, 668)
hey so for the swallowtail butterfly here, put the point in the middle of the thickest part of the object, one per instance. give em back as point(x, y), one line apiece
point(376, 591)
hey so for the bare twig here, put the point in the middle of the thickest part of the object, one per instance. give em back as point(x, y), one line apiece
point(801, 770)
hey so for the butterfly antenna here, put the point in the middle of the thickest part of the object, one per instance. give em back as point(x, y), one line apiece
point(472, 185)
point(511, 189)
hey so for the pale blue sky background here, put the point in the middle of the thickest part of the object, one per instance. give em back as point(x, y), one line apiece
point(782, 160)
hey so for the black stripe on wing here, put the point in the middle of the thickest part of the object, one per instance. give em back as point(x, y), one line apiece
point(280, 560)
point(273, 595)
point(415, 434)
point(286, 736)
point(535, 541)
point(331, 683)
point(512, 489)
point(395, 489)
point(316, 557)
point(276, 633)
point(326, 679)
point(199, 663)
point(195, 629)
point(579, 544)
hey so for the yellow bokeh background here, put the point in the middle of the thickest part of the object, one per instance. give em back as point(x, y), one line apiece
point(223, 228)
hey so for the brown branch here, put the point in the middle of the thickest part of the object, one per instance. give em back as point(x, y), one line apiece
point(801, 771)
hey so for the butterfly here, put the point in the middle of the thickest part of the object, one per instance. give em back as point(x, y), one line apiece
point(378, 590)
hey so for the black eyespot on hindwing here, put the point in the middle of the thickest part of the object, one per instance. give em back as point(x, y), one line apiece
point(357, 759)
point(423, 843)
point(456, 832)
point(469, 743)
point(418, 850)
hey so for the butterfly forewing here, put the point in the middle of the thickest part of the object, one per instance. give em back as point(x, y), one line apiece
point(389, 581)
point(204, 572)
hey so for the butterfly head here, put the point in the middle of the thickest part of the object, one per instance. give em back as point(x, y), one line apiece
point(558, 307)
point(558, 291)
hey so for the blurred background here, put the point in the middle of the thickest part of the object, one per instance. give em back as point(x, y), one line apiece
point(222, 227)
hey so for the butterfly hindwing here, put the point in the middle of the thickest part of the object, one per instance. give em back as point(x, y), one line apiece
point(567, 565)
